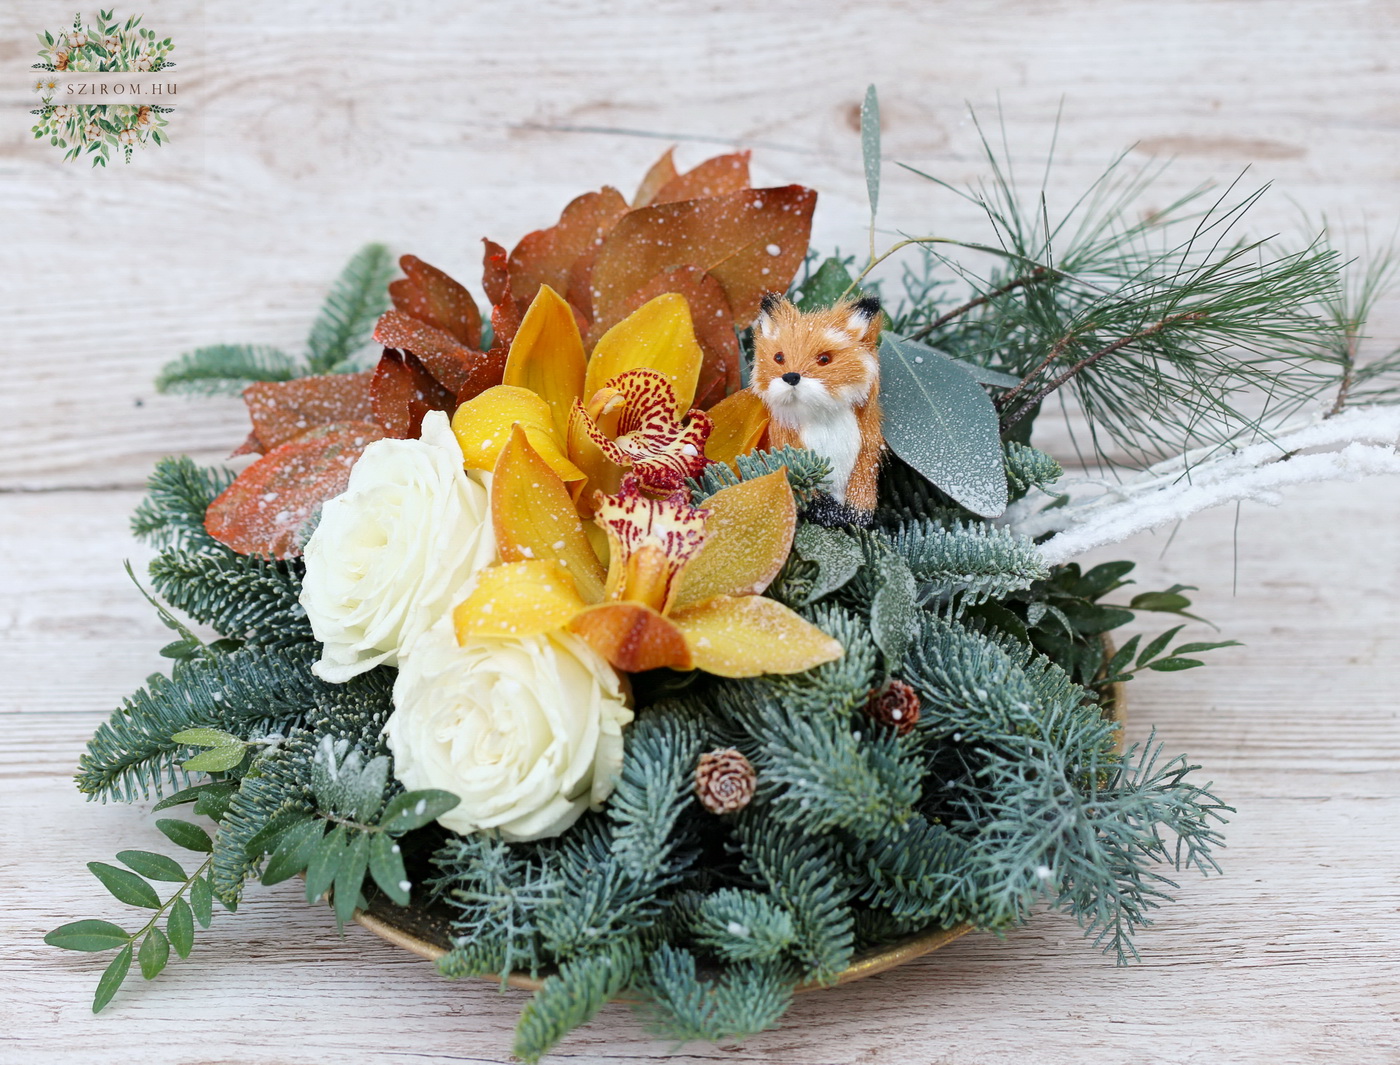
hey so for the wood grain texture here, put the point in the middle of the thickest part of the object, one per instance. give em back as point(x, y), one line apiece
point(312, 128)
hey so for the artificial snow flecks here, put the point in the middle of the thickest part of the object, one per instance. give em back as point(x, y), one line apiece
point(940, 421)
point(282, 410)
point(1353, 444)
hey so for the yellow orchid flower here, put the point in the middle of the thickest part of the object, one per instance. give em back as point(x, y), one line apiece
point(624, 409)
point(682, 585)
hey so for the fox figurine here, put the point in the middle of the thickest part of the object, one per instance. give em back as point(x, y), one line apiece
point(818, 373)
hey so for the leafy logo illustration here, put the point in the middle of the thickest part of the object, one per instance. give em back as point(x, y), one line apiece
point(102, 45)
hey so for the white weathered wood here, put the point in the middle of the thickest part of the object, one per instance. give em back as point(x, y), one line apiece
point(311, 129)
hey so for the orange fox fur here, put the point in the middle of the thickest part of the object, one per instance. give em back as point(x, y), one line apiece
point(818, 374)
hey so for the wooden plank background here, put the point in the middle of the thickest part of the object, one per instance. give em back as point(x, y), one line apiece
point(305, 130)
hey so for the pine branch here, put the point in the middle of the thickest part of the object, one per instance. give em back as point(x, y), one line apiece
point(975, 561)
point(808, 472)
point(357, 299)
point(224, 369)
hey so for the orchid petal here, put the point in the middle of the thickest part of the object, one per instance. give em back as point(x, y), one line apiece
point(483, 428)
point(658, 336)
point(534, 517)
point(596, 456)
point(750, 636)
point(662, 451)
point(651, 542)
point(547, 355)
point(740, 421)
point(632, 636)
point(747, 539)
point(518, 599)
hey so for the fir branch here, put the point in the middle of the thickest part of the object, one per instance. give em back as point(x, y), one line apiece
point(1028, 469)
point(224, 369)
point(239, 596)
point(808, 473)
point(573, 995)
point(918, 875)
point(656, 787)
point(178, 494)
point(974, 561)
point(744, 999)
point(278, 785)
point(246, 692)
point(742, 926)
point(804, 877)
point(357, 299)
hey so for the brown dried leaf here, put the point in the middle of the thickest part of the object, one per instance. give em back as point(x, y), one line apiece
point(714, 177)
point(282, 410)
point(752, 242)
point(662, 172)
point(432, 297)
point(403, 391)
point(462, 371)
point(714, 328)
point(547, 256)
point(266, 509)
point(505, 315)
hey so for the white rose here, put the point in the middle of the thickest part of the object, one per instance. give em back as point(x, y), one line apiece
point(526, 732)
point(393, 550)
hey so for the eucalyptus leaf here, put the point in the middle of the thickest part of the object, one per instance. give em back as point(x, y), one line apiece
point(838, 557)
point(824, 287)
point(207, 737)
point(894, 609)
point(941, 422)
point(870, 146)
point(216, 759)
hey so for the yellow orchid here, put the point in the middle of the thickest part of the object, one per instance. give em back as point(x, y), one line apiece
point(682, 583)
point(624, 409)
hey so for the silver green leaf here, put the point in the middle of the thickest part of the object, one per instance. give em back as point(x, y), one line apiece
point(940, 421)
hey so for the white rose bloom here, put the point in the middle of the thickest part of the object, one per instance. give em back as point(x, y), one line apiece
point(391, 553)
point(526, 732)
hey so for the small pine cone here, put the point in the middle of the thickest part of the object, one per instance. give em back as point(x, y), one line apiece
point(724, 781)
point(895, 705)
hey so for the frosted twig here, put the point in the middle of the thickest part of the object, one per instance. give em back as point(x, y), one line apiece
point(1356, 443)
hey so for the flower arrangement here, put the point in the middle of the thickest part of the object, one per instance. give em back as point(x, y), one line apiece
point(533, 630)
point(105, 44)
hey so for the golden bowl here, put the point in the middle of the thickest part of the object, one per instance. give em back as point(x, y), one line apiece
point(428, 932)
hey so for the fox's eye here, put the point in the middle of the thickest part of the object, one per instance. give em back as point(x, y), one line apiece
point(823, 358)
point(779, 357)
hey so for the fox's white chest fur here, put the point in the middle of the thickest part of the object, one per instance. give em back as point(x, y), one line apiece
point(835, 435)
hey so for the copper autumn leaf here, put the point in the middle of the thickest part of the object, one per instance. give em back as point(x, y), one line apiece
point(661, 173)
point(266, 509)
point(552, 256)
point(431, 296)
point(505, 315)
point(402, 392)
point(283, 410)
point(752, 242)
point(461, 370)
point(714, 177)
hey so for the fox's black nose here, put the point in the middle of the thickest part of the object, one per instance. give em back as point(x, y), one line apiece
point(792, 378)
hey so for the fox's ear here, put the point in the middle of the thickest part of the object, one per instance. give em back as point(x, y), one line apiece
point(864, 320)
point(767, 307)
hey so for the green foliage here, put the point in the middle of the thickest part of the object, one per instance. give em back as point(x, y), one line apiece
point(741, 925)
point(357, 299)
point(573, 995)
point(1027, 469)
point(341, 331)
point(178, 494)
point(972, 561)
point(745, 998)
point(253, 692)
point(807, 472)
point(248, 599)
point(224, 369)
point(131, 887)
